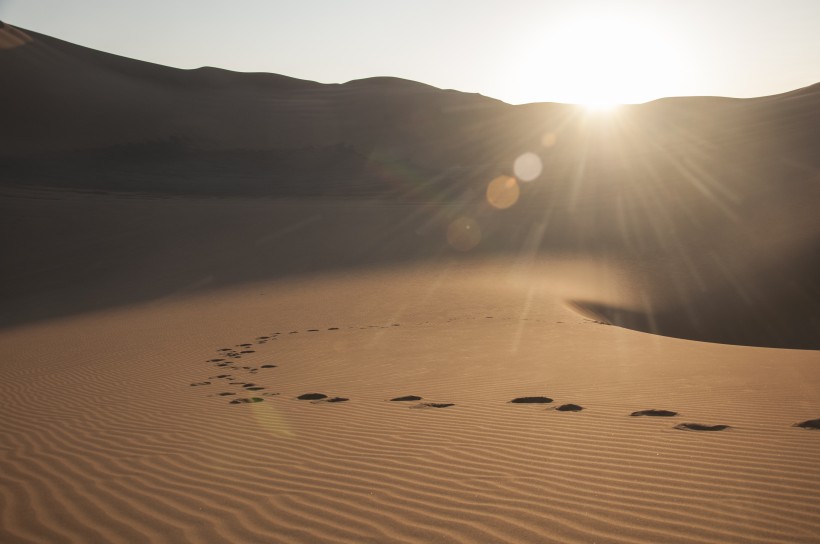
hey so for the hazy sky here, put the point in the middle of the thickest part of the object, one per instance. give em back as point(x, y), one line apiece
point(515, 50)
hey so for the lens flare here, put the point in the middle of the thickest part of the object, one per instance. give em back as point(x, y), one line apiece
point(271, 420)
point(503, 192)
point(527, 167)
point(549, 139)
point(463, 234)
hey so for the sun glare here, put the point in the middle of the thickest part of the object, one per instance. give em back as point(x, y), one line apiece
point(599, 106)
point(600, 60)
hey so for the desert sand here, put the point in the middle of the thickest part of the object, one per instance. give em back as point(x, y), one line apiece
point(156, 343)
point(116, 428)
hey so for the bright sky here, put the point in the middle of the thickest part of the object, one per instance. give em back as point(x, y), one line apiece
point(515, 50)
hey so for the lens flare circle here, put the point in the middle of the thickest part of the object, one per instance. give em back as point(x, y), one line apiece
point(503, 192)
point(549, 139)
point(527, 167)
point(463, 234)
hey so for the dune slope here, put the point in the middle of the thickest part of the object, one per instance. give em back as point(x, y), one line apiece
point(121, 425)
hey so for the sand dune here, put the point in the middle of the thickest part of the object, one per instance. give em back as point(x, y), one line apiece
point(121, 425)
point(247, 308)
point(705, 203)
point(108, 438)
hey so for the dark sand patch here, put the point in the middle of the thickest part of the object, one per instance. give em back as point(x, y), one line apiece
point(569, 408)
point(246, 401)
point(700, 427)
point(654, 413)
point(312, 396)
point(809, 424)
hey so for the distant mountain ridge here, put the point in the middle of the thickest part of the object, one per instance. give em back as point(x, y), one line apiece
point(65, 107)
point(69, 97)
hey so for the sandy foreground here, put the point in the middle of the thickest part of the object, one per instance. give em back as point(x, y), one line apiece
point(115, 428)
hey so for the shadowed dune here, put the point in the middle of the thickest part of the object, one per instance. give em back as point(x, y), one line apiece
point(103, 122)
point(706, 204)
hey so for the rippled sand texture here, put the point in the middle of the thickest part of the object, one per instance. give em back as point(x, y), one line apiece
point(106, 439)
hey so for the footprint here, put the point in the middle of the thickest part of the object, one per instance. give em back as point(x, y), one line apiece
point(405, 399)
point(700, 427)
point(224, 349)
point(434, 405)
point(243, 345)
point(220, 377)
point(247, 351)
point(246, 401)
point(254, 388)
point(334, 399)
point(313, 330)
point(333, 328)
point(200, 383)
point(569, 408)
point(215, 360)
point(810, 424)
point(261, 337)
point(249, 385)
point(312, 396)
point(268, 366)
point(656, 413)
point(225, 394)
point(531, 400)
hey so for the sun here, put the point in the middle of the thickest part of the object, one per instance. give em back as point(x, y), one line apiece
point(600, 60)
point(600, 106)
